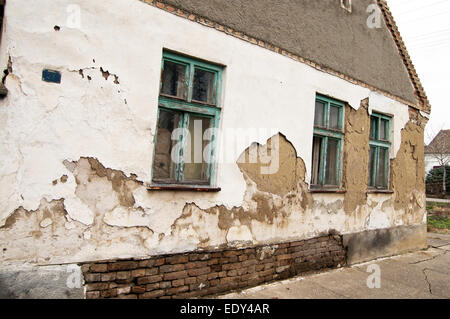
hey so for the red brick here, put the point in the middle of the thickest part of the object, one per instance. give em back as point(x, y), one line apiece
point(230, 253)
point(99, 268)
point(190, 280)
point(127, 297)
point(165, 284)
point(214, 282)
point(216, 268)
point(178, 259)
point(92, 294)
point(109, 293)
point(284, 257)
point(242, 257)
point(152, 271)
point(151, 287)
point(213, 261)
point(213, 275)
point(232, 273)
point(178, 283)
point(152, 294)
point(123, 275)
point(92, 277)
point(176, 275)
point(199, 271)
point(138, 273)
point(250, 262)
point(109, 276)
point(177, 290)
point(123, 265)
point(171, 268)
point(149, 279)
point(97, 286)
point(138, 289)
point(231, 266)
point(160, 261)
point(147, 263)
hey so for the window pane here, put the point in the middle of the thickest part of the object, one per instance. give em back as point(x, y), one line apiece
point(204, 86)
point(334, 117)
point(316, 158)
point(174, 80)
point(381, 173)
point(383, 130)
point(163, 166)
point(331, 177)
point(319, 119)
point(371, 166)
point(373, 127)
point(195, 166)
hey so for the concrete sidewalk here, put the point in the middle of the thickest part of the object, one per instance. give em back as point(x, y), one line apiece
point(422, 274)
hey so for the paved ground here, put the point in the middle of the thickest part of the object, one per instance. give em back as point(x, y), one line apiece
point(422, 274)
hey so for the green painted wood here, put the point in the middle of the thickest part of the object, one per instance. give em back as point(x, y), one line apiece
point(327, 133)
point(187, 108)
point(378, 144)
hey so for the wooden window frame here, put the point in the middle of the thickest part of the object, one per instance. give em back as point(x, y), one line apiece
point(326, 133)
point(188, 107)
point(377, 143)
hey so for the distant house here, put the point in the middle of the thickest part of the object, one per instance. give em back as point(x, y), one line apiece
point(438, 151)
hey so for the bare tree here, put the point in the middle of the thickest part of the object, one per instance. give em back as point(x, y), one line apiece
point(439, 150)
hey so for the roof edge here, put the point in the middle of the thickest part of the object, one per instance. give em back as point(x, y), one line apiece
point(424, 104)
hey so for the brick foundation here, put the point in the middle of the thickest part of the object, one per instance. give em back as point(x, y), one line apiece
point(200, 274)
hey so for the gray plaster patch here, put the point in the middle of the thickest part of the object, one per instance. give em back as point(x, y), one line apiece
point(53, 282)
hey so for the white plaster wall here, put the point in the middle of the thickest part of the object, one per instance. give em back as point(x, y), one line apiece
point(44, 124)
point(430, 162)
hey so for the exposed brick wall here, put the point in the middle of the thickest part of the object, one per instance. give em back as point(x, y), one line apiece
point(199, 274)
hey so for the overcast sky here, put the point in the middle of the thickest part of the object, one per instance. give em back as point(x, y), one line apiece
point(425, 29)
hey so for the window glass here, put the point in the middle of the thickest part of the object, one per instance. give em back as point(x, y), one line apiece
point(203, 86)
point(319, 116)
point(316, 158)
point(373, 127)
point(371, 165)
point(331, 164)
point(174, 80)
point(381, 176)
point(334, 118)
point(195, 167)
point(163, 166)
point(383, 130)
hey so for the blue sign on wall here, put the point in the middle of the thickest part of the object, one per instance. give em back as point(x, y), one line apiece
point(51, 76)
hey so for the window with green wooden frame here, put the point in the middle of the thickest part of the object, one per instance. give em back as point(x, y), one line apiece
point(327, 143)
point(379, 151)
point(188, 116)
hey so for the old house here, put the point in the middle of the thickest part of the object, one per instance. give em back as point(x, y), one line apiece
point(182, 148)
point(437, 153)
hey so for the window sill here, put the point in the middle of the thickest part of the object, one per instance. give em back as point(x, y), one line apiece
point(380, 191)
point(330, 190)
point(187, 188)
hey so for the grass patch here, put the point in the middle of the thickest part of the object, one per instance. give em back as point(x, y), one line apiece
point(440, 222)
point(431, 205)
